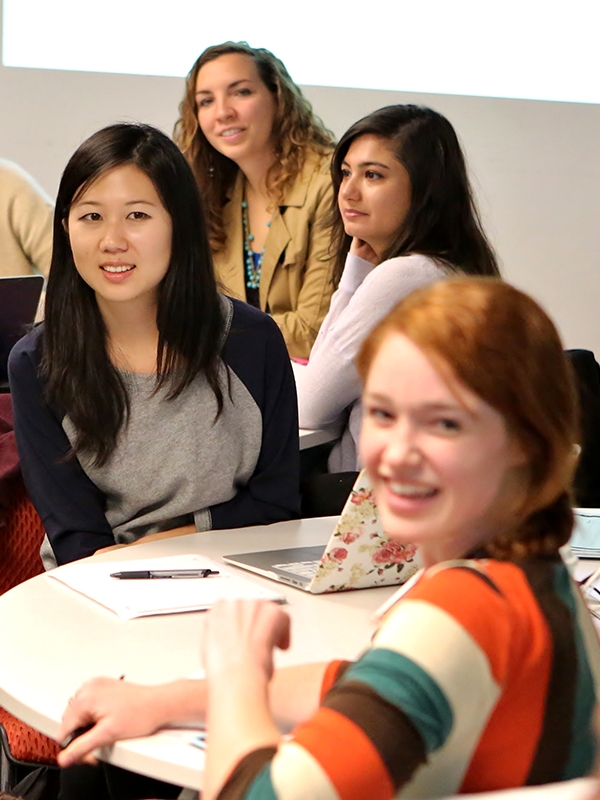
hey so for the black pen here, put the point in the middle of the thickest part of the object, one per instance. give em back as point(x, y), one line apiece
point(147, 574)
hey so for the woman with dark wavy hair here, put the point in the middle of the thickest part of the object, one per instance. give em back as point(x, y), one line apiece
point(261, 159)
point(146, 402)
point(404, 217)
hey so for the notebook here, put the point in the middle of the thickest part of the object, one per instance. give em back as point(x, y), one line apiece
point(142, 598)
point(585, 538)
point(19, 298)
point(358, 554)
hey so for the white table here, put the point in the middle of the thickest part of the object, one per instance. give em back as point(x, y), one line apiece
point(54, 639)
point(320, 436)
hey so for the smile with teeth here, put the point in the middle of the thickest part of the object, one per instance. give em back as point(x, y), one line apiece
point(120, 268)
point(231, 132)
point(410, 490)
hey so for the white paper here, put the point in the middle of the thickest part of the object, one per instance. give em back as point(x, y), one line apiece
point(140, 598)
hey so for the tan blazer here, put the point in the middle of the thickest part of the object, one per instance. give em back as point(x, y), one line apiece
point(26, 214)
point(295, 282)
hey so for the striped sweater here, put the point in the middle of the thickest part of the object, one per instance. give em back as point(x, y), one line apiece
point(477, 679)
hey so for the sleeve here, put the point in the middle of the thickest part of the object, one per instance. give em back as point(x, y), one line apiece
point(31, 216)
point(330, 383)
point(71, 507)
point(300, 326)
point(260, 359)
point(387, 713)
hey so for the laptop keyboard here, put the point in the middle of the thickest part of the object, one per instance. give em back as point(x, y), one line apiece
point(305, 568)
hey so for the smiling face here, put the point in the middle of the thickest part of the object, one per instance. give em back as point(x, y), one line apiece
point(443, 467)
point(235, 108)
point(375, 194)
point(120, 236)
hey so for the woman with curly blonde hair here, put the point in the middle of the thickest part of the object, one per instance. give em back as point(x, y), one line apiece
point(261, 159)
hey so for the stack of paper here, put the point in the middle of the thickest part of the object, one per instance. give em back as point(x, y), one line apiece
point(585, 539)
point(140, 598)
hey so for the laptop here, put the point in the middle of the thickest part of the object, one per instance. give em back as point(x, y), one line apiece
point(358, 554)
point(19, 299)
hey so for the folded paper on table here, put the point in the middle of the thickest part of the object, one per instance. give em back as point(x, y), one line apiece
point(142, 598)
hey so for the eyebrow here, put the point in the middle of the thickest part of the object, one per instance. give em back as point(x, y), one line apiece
point(230, 86)
point(433, 406)
point(368, 164)
point(128, 203)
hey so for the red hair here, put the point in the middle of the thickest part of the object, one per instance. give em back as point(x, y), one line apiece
point(500, 344)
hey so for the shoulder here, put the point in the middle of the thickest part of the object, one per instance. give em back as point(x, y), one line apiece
point(27, 351)
point(313, 182)
point(485, 598)
point(14, 179)
point(414, 264)
point(248, 318)
point(252, 331)
point(466, 607)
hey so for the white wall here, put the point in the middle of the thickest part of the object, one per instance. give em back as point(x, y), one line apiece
point(536, 166)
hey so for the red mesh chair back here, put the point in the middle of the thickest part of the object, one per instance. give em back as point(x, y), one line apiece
point(20, 541)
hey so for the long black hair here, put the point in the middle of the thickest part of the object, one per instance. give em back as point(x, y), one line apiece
point(80, 375)
point(442, 221)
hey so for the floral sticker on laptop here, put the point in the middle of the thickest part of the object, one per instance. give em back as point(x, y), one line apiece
point(365, 556)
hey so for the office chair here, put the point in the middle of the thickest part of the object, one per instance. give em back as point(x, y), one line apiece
point(22, 749)
point(586, 484)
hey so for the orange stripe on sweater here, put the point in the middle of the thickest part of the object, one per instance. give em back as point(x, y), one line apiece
point(516, 640)
point(339, 745)
point(330, 676)
point(509, 615)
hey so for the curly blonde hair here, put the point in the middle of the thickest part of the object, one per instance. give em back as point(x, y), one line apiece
point(296, 133)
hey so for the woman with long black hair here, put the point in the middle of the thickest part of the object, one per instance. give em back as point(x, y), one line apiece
point(147, 402)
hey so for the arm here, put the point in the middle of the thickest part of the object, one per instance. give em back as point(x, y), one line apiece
point(366, 294)
point(118, 710)
point(257, 354)
point(31, 215)
point(70, 505)
point(300, 325)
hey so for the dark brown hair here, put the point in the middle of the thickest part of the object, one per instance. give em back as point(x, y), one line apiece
point(503, 347)
point(442, 221)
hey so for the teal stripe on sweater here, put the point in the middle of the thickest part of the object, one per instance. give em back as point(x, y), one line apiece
point(405, 685)
point(583, 741)
point(261, 787)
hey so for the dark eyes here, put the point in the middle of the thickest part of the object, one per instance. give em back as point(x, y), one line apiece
point(370, 174)
point(379, 415)
point(448, 425)
point(94, 216)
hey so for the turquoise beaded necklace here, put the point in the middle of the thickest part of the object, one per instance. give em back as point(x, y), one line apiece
point(253, 261)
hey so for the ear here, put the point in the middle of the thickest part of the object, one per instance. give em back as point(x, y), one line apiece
point(517, 455)
point(65, 224)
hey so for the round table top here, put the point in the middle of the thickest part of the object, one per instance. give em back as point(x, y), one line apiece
point(55, 639)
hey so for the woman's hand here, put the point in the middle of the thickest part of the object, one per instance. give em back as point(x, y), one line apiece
point(112, 710)
point(239, 637)
point(241, 634)
point(363, 250)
